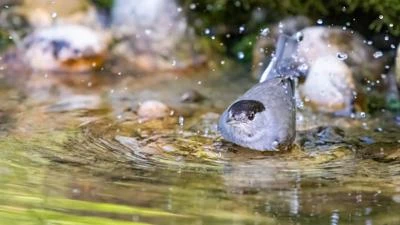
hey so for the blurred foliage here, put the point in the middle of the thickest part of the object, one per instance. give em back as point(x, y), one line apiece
point(105, 4)
point(224, 17)
point(4, 39)
point(237, 12)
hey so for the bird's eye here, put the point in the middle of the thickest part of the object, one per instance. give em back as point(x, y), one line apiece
point(251, 116)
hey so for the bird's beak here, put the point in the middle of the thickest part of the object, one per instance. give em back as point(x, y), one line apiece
point(231, 121)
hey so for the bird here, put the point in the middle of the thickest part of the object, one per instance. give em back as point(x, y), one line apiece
point(264, 118)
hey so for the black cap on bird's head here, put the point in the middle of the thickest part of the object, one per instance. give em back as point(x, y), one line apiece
point(244, 110)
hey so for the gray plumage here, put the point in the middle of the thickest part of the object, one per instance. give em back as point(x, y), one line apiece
point(264, 117)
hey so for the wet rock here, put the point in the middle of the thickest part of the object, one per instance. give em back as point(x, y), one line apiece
point(192, 96)
point(348, 46)
point(321, 138)
point(329, 86)
point(266, 41)
point(152, 109)
point(396, 198)
point(42, 13)
point(145, 27)
point(65, 48)
point(76, 102)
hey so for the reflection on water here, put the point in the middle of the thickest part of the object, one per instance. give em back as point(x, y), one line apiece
point(73, 151)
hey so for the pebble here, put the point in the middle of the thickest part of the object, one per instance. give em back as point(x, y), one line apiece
point(153, 109)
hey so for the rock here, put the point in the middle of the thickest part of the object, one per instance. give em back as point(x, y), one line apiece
point(329, 85)
point(341, 63)
point(192, 96)
point(266, 41)
point(65, 48)
point(346, 45)
point(76, 102)
point(146, 27)
point(152, 109)
point(43, 13)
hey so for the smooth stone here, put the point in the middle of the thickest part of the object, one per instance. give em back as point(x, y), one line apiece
point(329, 85)
point(191, 96)
point(152, 109)
point(346, 45)
point(65, 48)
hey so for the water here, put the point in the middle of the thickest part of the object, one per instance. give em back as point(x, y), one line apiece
point(73, 153)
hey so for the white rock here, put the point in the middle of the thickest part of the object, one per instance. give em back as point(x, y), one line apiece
point(152, 109)
point(344, 44)
point(66, 48)
point(329, 85)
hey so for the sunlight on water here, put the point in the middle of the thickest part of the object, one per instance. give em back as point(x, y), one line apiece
point(96, 162)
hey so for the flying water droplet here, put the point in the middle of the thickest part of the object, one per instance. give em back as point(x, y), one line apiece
point(341, 55)
point(192, 6)
point(320, 21)
point(299, 36)
point(240, 55)
point(378, 54)
point(303, 68)
point(241, 29)
point(264, 32)
point(181, 121)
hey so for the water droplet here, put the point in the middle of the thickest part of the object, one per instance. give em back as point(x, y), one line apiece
point(299, 36)
point(181, 121)
point(192, 6)
point(386, 38)
point(380, 17)
point(303, 68)
point(207, 31)
point(264, 32)
point(222, 62)
point(147, 32)
point(240, 55)
point(378, 54)
point(362, 115)
point(54, 15)
point(320, 21)
point(241, 29)
point(341, 55)
point(179, 9)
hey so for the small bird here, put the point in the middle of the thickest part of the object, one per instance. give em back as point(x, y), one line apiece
point(264, 118)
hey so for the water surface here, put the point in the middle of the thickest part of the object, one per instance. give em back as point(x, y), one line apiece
point(73, 151)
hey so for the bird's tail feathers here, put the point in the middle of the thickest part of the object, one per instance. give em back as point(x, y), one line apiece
point(286, 62)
